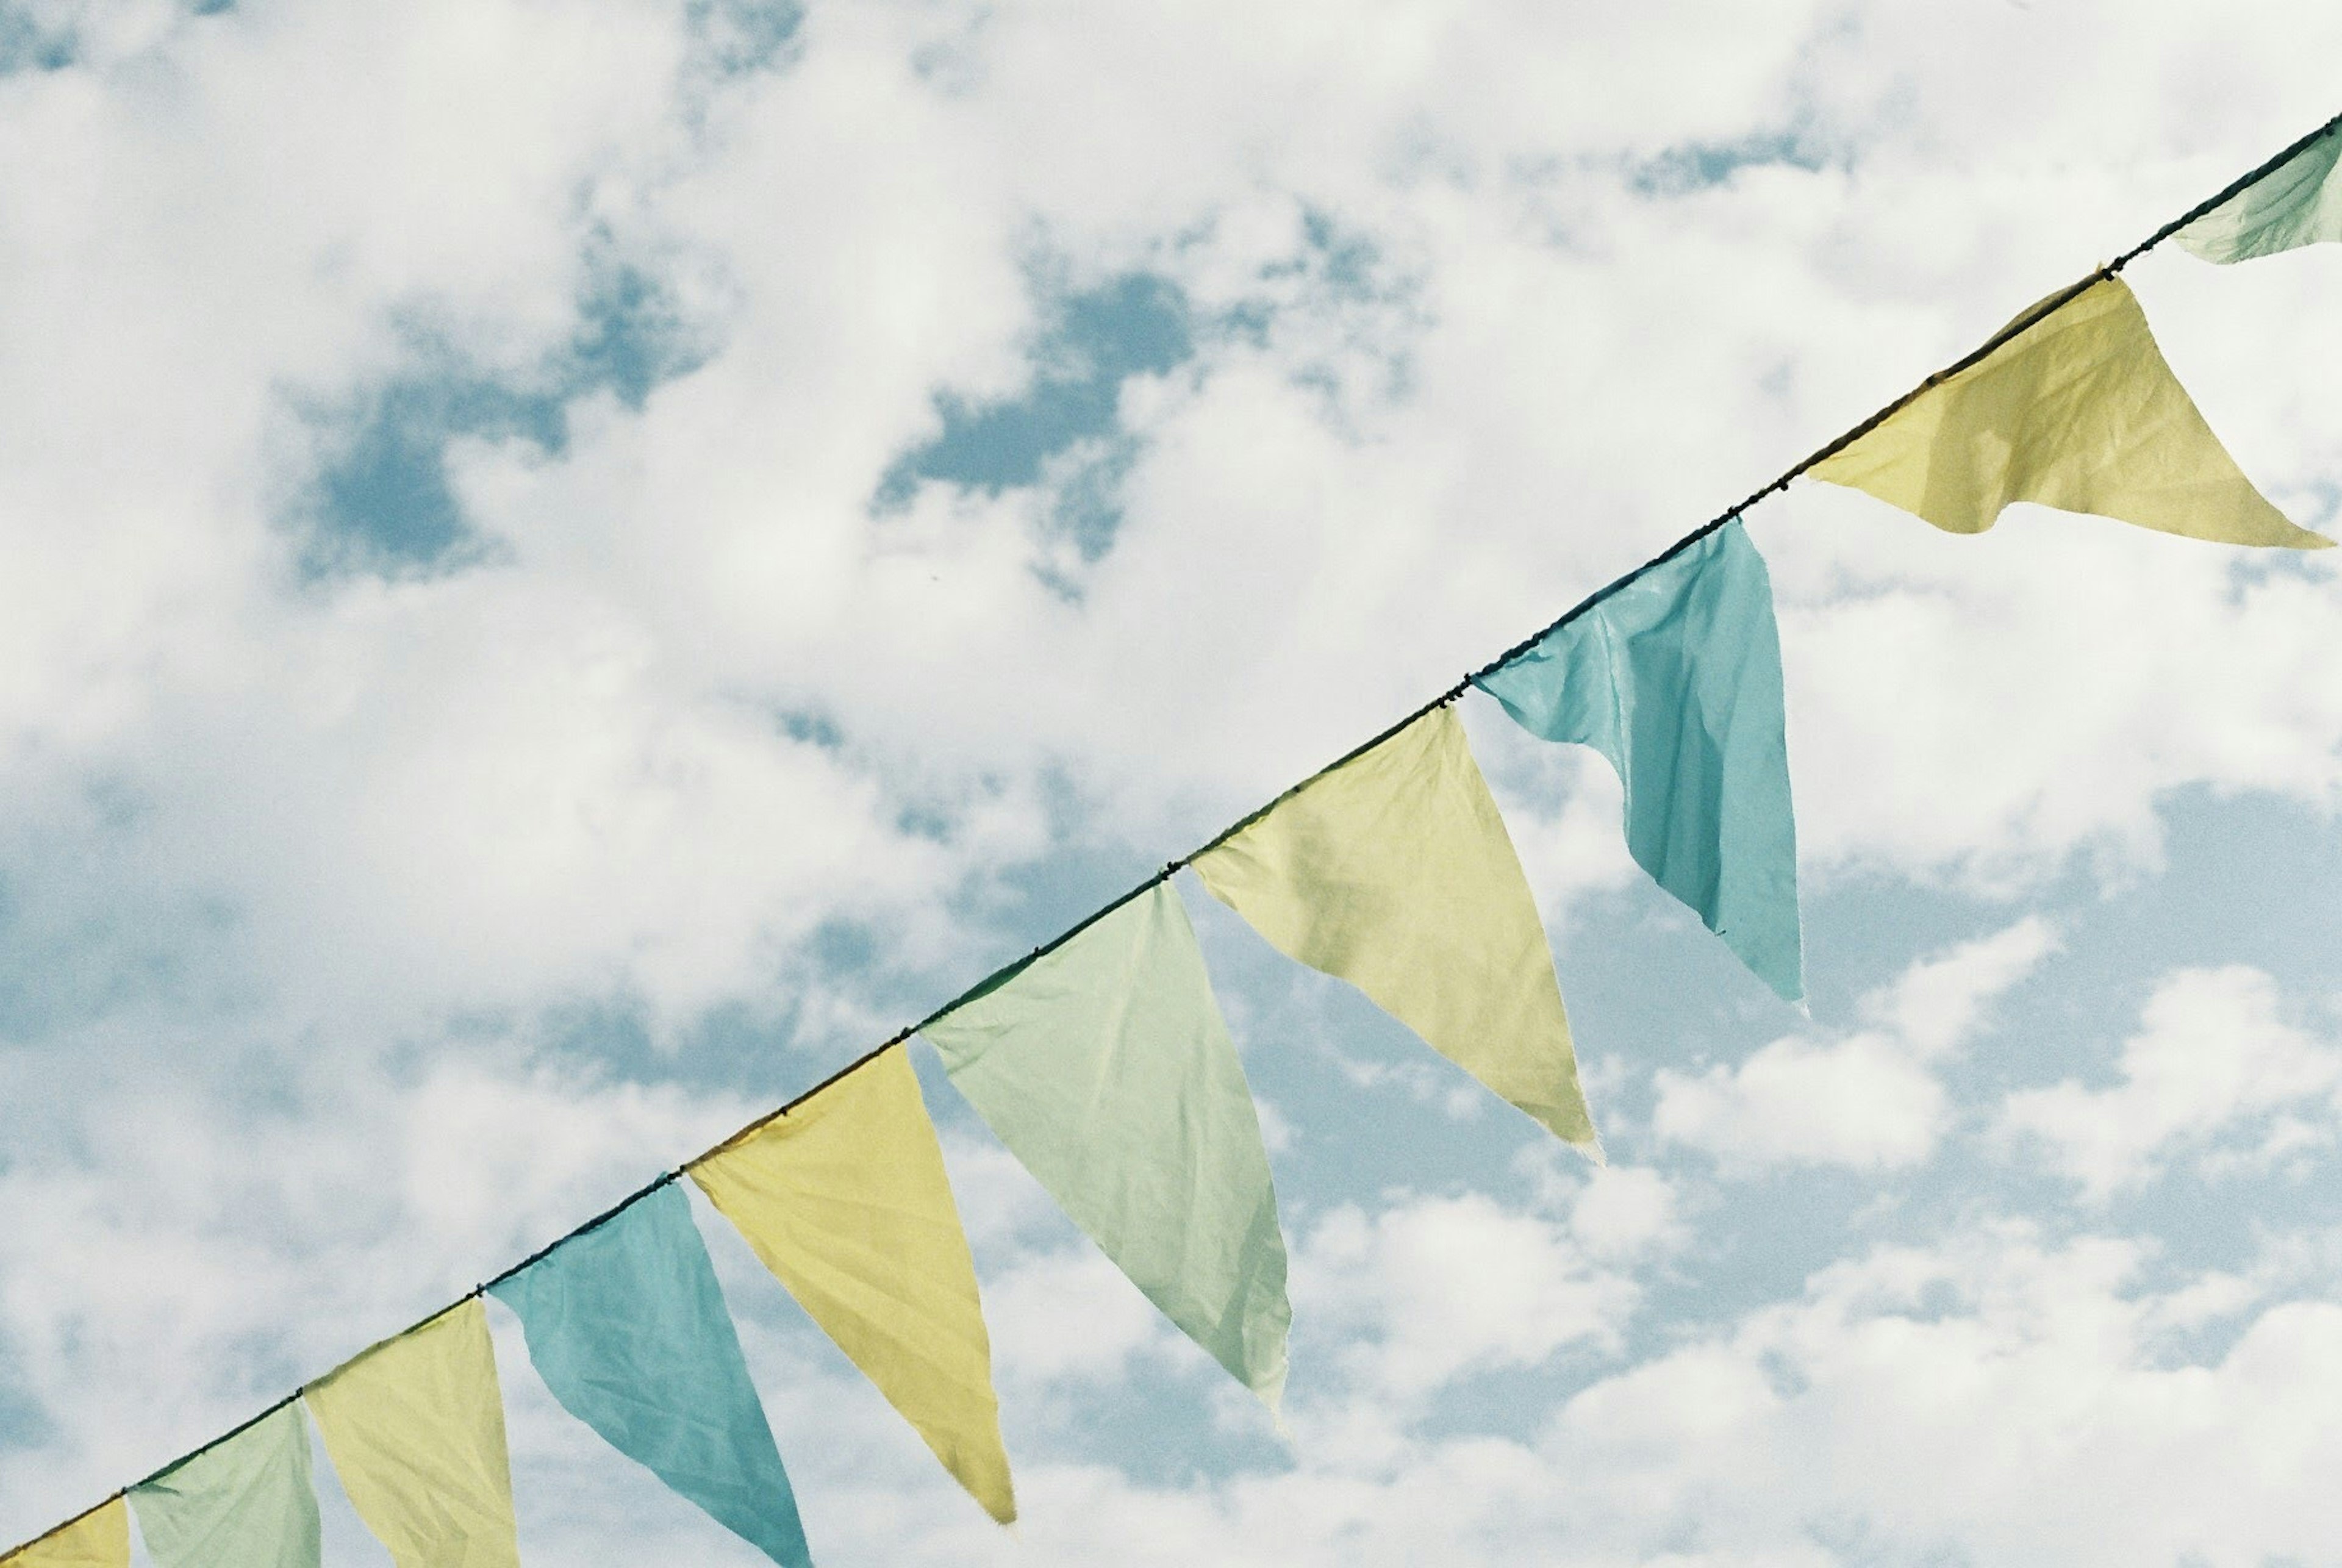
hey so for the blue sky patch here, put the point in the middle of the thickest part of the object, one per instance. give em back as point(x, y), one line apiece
point(1692, 166)
point(25, 1422)
point(27, 45)
point(811, 727)
point(742, 35)
point(1093, 340)
point(631, 338)
point(384, 501)
point(381, 499)
point(1063, 433)
point(1341, 276)
point(1345, 262)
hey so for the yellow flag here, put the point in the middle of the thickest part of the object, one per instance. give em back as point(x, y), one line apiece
point(415, 1429)
point(99, 1539)
point(846, 1200)
point(2079, 412)
point(1395, 872)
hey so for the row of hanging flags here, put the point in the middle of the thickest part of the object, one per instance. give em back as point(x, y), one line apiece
point(1101, 1060)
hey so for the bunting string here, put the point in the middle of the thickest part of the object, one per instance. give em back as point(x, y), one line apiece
point(267, 1456)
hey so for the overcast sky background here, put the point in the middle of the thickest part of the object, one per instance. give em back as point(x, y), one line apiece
point(568, 566)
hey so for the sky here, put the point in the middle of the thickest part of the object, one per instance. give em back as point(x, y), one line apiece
point(572, 565)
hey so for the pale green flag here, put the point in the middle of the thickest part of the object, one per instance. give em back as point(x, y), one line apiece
point(1395, 872)
point(1105, 1068)
point(99, 1539)
point(2298, 203)
point(415, 1429)
point(246, 1503)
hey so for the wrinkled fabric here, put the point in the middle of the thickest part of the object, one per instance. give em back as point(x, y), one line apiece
point(2078, 411)
point(99, 1539)
point(2298, 203)
point(415, 1429)
point(1395, 872)
point(1677, 679)
point(248, 1503)
point(627, 1327)
point(846, 1200)
point(1103, 1066)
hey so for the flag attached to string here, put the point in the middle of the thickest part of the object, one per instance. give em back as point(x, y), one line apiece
point(627, 1325)
point(99, 1539)
point(1677, 679)
point(1395, 872)
point(846, 1200)
point(246, 1503)
point(415, 1429)
point(1105, 1068)
point(2298, 203)
point(2078, 411)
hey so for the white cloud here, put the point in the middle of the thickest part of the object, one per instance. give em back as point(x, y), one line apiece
point(1580, 848)
point(1860, 1101)
point(1428, 1290)
point(1625, 1212)
point(1070, 1314)
point(1988, 1399)
point(1939, 1002)
point(1996, 738)
point(1870, 1099)
point(2214, 1058)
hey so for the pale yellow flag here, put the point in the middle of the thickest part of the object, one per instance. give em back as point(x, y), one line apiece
point(2078, 411)
point(415, 1429)
point(99, 1539)
point(846, 1200)
point(1395, 872)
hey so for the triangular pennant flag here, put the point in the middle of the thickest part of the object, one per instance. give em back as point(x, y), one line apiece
point(1395, 872)
point(2078, 411)
point(627, 1325)
point(846, 1199)
point(1677, 679)
point(246, 1502)
point(99, 1539)
point(1105, 1068)
point(415, 1429)
point(2298, 203)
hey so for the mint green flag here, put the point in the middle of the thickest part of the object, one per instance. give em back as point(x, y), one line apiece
point(2298, 203)
point(246, 1503)
point(1677, 679)
point(1105, 1068)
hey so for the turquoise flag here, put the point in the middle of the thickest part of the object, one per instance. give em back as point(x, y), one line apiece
point(627, 1327)
point(1105, 1068)
point(246, 1503)
point(2298, 203)
point(1677, 679)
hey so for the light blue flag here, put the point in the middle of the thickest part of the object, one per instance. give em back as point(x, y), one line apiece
point(627, 1327)
point(1677, 679)
point(246, 1503)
